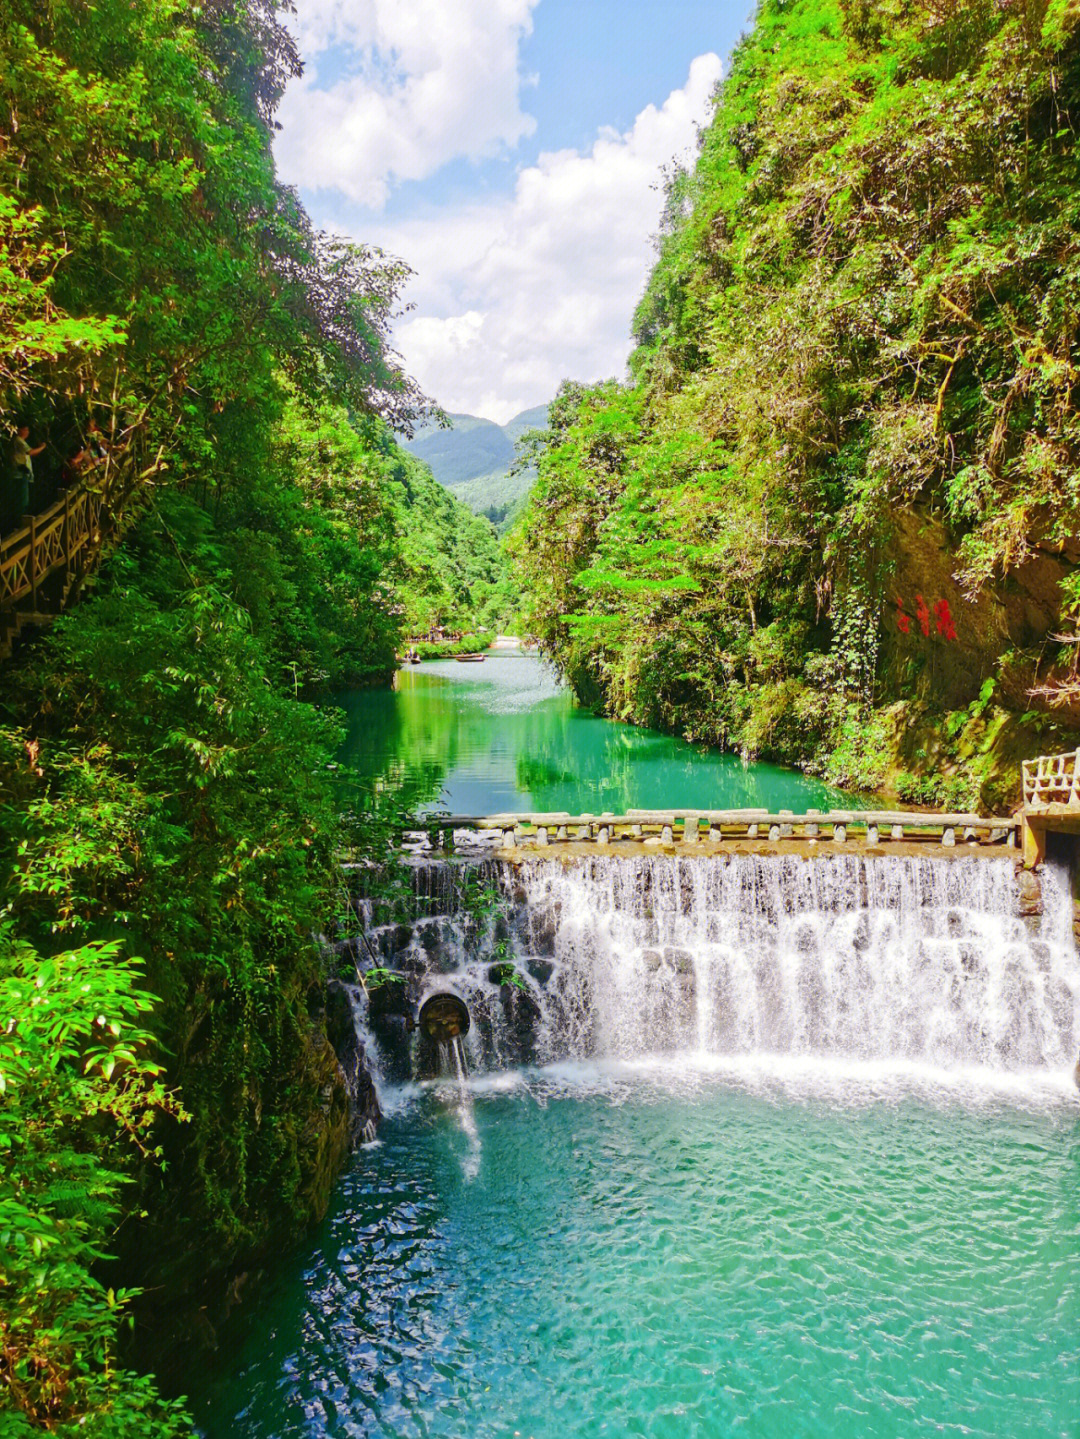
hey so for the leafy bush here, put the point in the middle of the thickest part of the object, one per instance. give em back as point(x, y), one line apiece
point(78, 1095)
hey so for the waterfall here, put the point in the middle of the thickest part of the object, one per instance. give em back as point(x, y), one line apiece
point(844, 956)
point(453, 1066)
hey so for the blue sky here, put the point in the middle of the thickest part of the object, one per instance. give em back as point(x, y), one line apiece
point(510, 151)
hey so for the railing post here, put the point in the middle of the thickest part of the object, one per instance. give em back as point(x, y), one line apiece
point(33, 560)
point(67, 539)
point(1034, 843)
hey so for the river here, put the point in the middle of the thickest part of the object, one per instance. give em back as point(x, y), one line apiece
point(759, 1145)
point(505, 735)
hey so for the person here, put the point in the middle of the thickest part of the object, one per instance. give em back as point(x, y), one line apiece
point(97, 446)
point(24, 470)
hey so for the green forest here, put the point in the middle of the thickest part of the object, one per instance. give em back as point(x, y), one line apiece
point(832, 519)
point(168, 818)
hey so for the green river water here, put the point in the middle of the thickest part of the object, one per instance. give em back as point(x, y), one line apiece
point(504, 736)
point(673, 1248)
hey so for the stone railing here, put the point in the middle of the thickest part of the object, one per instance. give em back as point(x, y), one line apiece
point(1052, 779)
point(693, 827)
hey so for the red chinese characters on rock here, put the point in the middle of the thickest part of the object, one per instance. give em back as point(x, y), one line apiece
point(942, 618)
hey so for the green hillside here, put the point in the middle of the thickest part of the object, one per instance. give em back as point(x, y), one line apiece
point(498, 497)
point(534, 419)
point(833, 519)
point(472, 447)
point(474, 459)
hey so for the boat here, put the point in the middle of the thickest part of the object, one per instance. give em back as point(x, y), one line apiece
point(469, 659)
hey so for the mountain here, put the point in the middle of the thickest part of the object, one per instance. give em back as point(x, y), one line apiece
point(473, 447)
point(473, 459)
point(534, 419)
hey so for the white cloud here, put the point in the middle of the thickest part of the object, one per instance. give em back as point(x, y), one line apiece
point(415, 85)
point(515, 295)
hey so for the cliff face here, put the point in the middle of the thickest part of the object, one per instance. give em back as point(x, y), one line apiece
point(941, 641)
point(270, 1145)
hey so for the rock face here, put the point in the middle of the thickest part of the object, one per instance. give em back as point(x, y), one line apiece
point(940, 643)
point(364, 1111)
point(1029, 893)
point(189, 1305)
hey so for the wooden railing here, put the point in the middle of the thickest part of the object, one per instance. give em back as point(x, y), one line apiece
point(1052, 779)
point(46, 543)
point(691, 827)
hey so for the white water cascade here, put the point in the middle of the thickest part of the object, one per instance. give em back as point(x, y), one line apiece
point(896, 959)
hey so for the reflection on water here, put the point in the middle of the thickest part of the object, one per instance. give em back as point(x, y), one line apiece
point(506, 736)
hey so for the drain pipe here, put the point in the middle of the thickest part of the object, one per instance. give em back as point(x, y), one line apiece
point(444, 1017)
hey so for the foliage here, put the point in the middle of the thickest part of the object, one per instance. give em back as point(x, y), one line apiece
point(165, 783)
point(178, 798)
point(956, 792)
point(451, 570)
point(864, 304)
point(468, 644)
point(80, 1093)
point(160, 274)
point(860, 759)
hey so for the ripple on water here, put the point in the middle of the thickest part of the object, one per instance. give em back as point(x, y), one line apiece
point(661, 1255)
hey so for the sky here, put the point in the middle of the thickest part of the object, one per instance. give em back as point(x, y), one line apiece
point(512, 153)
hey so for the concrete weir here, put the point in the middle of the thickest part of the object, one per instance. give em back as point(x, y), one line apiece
point(699, 831)
point(915, 955)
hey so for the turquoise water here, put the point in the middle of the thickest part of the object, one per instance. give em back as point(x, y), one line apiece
point(800, 1243)
point(592, 1252)
point(505, 736)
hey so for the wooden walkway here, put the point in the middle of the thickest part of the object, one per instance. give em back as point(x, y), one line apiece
point(44, 561)
point(694, 827)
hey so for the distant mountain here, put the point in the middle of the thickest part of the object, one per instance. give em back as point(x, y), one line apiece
point(473, 460)
point(473, 447)
point(534, 419)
